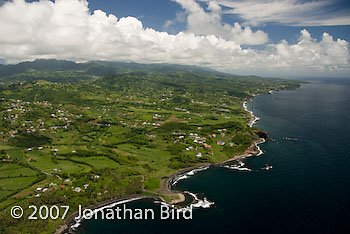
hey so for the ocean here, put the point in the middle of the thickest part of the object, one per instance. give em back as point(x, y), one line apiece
point(306, 191)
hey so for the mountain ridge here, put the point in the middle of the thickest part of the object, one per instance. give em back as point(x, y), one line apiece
point(98, 68)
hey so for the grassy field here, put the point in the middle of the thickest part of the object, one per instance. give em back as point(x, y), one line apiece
point(14, 178)
point(89, 141)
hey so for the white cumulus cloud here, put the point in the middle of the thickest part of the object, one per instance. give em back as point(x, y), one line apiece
point(65, 29)
point(209, 22)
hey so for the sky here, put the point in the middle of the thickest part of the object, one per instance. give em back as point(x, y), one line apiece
point(286, 38)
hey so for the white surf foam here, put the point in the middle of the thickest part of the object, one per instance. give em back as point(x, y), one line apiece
point(200, 203)
point(239, 166)
point(197, 203)
point(256, 119)
point(257, 146)
point(187, 175)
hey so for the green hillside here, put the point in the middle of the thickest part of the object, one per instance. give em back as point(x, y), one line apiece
point(113, 130)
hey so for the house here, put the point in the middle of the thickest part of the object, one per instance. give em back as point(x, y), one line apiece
point(220, 143)
point(95, 177)
point(199, 155)
point(77, 189)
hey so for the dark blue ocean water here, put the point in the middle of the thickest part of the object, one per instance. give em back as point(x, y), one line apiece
point(307, 191)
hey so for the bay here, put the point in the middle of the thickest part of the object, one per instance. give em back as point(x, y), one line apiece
point(306, 191)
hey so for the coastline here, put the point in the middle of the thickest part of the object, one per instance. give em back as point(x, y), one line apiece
point(252, 150)
point(167, 184)
point(253, 118)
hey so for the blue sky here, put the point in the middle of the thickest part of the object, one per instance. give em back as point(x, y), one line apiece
point(154, 13)
point(260, 37)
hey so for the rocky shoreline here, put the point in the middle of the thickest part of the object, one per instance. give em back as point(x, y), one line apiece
point(167, 184)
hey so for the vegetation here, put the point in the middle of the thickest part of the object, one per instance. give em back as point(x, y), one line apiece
point(78, 134)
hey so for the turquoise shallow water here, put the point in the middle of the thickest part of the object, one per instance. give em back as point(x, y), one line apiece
point(307, 191)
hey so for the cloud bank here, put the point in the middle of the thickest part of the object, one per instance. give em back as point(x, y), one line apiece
point(67, 30)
